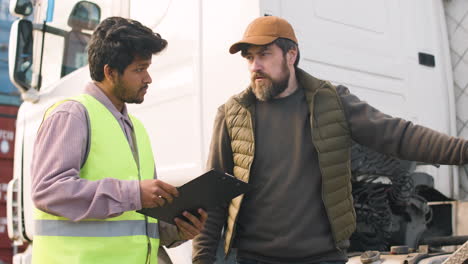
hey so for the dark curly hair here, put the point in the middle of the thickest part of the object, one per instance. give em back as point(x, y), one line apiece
point(117, 41)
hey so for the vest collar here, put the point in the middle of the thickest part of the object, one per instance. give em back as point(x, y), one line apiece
point(246, 98)
point(309, 83)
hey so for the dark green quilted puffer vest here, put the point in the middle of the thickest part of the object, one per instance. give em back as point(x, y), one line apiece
point(330, 136)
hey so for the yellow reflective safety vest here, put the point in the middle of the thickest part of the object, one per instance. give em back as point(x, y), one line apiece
point(128, 238)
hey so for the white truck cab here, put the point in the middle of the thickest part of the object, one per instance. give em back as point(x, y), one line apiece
point(393, 54)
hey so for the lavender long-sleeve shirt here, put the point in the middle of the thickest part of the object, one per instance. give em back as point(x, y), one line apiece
point(61, 149)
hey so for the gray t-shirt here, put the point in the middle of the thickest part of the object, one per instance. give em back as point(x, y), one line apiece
point(284, 217)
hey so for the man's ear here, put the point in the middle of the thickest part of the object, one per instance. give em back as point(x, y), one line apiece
point(110, 73)
point(291, 56)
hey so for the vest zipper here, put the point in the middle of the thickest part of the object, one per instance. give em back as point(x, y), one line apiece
point(240, 203)
point(148, 252)
point(233, 230)
point(137, 162)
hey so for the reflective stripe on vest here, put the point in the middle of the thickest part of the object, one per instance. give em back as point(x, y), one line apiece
point(95, 228)
point(121, 239)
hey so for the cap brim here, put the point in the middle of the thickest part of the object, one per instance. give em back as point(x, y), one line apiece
point(254, 40)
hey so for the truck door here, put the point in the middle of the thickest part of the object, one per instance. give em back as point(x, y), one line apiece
point(392, 54)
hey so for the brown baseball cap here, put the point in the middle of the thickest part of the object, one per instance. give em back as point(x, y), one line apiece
point(263, 31)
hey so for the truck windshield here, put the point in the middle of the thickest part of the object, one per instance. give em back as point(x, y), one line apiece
point(65, 44)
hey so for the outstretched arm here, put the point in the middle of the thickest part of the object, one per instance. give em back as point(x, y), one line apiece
point(398, 137)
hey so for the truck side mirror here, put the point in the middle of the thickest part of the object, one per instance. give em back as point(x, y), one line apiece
point(21, 8)
point(20, 59)
point(84, 16)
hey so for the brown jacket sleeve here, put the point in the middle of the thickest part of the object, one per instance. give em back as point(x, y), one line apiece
point(219, 158)
point(398, 137)
point(169, 235)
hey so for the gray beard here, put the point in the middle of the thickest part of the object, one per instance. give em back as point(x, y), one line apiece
point(269, 91)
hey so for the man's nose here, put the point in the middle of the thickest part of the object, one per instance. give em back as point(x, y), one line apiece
point(148, 79)
point(255, 66)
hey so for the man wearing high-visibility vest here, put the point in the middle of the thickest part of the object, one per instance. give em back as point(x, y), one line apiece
point(93, 165)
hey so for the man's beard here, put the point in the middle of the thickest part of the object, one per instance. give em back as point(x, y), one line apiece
point(269, 88)
point(124, 93)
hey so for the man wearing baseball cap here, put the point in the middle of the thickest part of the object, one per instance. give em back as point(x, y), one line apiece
point(289, 135)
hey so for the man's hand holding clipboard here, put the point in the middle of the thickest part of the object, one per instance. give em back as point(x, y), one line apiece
point(209, 190)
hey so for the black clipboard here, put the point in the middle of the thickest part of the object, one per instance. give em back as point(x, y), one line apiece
point(209, 190)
